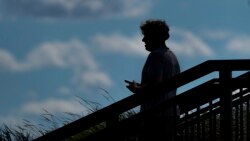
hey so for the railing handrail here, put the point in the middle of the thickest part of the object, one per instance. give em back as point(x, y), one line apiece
point(130, 126)
point(132, 101)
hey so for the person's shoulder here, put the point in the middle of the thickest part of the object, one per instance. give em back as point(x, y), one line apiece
point(159, 51)
point(155, 54)
point(158, 54)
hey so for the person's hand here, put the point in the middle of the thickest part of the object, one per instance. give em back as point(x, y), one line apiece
point(133, 86)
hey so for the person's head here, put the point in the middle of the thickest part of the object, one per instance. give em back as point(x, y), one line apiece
point(155, 32)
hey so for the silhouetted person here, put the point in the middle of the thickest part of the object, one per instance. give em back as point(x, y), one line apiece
point(160, 65)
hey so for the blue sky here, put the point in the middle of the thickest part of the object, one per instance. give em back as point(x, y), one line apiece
point(52, 51)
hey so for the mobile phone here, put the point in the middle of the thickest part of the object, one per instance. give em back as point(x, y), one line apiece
point(129, 82)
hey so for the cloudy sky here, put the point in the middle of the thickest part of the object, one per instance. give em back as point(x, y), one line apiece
point(54, 51)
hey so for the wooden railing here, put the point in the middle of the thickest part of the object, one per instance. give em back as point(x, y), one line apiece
point(211, 107)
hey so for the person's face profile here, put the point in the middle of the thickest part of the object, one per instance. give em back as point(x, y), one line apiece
point(150, 41)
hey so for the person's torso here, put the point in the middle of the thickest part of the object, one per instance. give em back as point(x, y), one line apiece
point(169, 67)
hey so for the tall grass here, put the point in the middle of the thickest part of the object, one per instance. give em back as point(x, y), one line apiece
point(28, 130)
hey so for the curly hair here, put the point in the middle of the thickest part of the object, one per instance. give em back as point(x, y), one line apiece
point(157, 28)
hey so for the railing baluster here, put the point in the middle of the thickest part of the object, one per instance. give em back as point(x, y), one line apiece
point(203, 130)
point(241, 116)
point(248, 120)
point(236, 116)
point(211, 120)
point(226, 105)
point(187, 127)
point(198, 124)
point(180, 136)
point(192, 131)
point(215, 126)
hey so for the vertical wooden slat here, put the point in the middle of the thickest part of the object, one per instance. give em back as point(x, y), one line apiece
point(241, 117)
point(226, 104)
point(236, 116)
point(203, 129)
point(187, 127)
point(198, 124)
point(192, 131)
point(211, 120)
point(248, 121)
point(215, 126)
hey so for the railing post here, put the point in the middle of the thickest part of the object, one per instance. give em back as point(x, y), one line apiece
point(226, 105)
point(112, 121)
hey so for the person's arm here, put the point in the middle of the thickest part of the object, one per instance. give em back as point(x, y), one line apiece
point(154, 77)
point(133, 86)
point(145, 87)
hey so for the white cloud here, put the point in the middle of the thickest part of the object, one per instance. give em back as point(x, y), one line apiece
point(189, 44)
point(7, 61)
point(56, 54)
point(53, 106)
point(10, 120)
point(117, 43)
point(58, 9)
point(64, 90)
point(93, 78)
point(233, 42)
point(61, 54)
point(217, 34)
point(134, 8)
point(57, 107)
point(239, 44)
point(72, 55)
